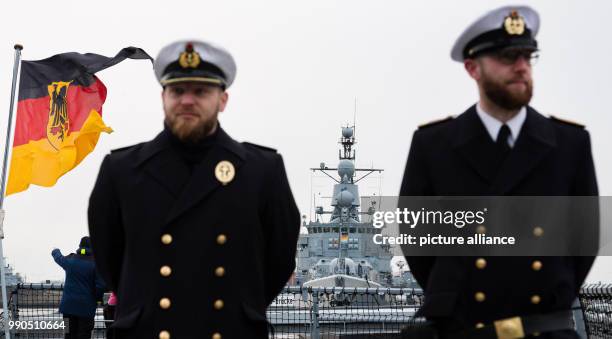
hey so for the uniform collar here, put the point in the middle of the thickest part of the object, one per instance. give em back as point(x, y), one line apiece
point(162, 142)
point(468, 126)
point(493, 125)
point(163, 164)
point(469, 139)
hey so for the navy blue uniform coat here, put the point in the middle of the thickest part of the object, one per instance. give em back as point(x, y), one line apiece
point(454, 157)
point(146, 191)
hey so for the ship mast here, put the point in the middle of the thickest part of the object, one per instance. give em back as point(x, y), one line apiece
point(345, 198)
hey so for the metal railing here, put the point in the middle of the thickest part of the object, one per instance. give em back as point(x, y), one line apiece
point(36, 306)
point(341, 312)
point(314, 312)
point(596, 305)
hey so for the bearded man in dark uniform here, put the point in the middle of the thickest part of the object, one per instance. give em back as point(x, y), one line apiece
point(500, 146)
point(194, 231)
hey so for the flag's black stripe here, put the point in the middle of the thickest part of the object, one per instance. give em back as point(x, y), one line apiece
point(37, 75)
point(76, 67)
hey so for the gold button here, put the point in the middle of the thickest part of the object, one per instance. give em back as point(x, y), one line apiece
point(216, 336)
point(479, 296)
point(536, 334)
point(220, 271)
point(164, 303)
point(480, 325)
point(218, 304)
point(538, 231)
point(535, 299)
point(165, 271)
point(166, 239)
point(481, 263)
point(164, 335)
point(221, 239)
point(481, 229)
point(536, 265)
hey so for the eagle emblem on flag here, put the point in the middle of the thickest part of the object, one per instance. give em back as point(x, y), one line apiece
point(59, 123)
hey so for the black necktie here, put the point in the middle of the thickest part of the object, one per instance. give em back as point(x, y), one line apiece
point(502, 139)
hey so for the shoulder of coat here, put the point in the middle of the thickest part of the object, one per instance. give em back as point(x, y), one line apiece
point(436, 122)
point(264, 148)
point(116, 150)
point(566, 122)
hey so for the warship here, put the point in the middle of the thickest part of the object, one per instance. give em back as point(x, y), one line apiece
point(11, 277)
point(336, 247)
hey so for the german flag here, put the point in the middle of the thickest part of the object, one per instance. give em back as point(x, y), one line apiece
point(59, 115)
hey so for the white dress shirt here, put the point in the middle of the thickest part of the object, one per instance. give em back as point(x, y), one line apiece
point(493, 125)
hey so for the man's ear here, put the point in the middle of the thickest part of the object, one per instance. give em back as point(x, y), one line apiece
point(473, 68)
point(223, 101)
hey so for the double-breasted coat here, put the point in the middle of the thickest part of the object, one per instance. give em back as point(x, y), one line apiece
point(458, 157)
point(189, 256)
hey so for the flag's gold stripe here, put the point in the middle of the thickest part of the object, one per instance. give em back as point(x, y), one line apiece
point(39, 163)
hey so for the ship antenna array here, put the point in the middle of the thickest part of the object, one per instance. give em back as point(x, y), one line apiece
point(355, 119)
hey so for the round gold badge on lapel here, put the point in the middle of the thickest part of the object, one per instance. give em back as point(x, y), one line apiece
point(225, 172)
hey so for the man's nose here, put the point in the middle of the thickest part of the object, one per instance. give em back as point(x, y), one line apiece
point(187, 98)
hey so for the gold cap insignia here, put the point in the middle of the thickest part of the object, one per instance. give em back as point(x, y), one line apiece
point(189, 58)
point(514, 24)
point(225, 172)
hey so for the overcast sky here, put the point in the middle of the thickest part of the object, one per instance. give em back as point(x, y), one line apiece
point(300, 67)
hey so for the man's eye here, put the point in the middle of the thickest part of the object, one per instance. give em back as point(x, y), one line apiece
point(510, 56)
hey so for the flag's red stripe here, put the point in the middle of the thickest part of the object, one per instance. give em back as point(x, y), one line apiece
point(33, 114)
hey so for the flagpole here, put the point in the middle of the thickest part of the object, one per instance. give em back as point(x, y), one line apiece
point(5, 314)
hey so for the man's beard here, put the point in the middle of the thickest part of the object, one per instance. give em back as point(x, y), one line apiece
point(500, 95)
point(190, 133)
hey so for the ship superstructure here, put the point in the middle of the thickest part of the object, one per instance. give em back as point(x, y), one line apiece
point(337, 247)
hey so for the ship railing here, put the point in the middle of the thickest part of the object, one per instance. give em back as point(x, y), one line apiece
point(318, 312)
point(596, 309)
